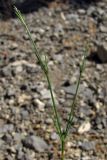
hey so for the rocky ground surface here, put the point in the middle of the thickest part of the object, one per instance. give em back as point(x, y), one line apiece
point(61, 31)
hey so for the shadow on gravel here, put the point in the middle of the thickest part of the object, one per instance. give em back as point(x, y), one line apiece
point(29, 6)
point(81, 3)
point(93, 57)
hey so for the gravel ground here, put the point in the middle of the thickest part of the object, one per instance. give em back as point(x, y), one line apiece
point(61, 31)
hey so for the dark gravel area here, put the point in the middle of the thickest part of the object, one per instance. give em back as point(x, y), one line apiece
point(61, 31)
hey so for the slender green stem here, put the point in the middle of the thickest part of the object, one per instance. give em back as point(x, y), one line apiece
point(44, 67)
point(62, 149)
point(34, 47)
point(71, 115)
point(56, 116)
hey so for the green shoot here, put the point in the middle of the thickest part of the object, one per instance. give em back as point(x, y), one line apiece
point(63, 133)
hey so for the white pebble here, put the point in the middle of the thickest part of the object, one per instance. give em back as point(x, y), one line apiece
point(85, 127)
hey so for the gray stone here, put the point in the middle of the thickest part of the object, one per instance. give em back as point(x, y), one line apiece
point(48, 121)
point(100, 11)
point(86, 158)
point(7, 138)
point(99, 126)
point(72, 89)
point(10, 93)
point(54, 136)
point(41, 31)
point(90, 10)
point(36, 143)
point(24, 114)
point(5, 72)
point(18, 69)
point(7, 128)
point(99, 67)
point(13, 46)
point(17, 137)
point(81, 11)
point(102, 52)
point(45, 93)
point(50, 103)
point(58, 58)
point(1, 144)
point(22, 156)
point(84, 112)
point(72, 17)
point(86, 145)
point(105, 100)
point(59, 29)
point(103, 29)
point(88, 94)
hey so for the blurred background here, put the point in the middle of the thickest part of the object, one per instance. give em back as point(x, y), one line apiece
point(27, 6)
